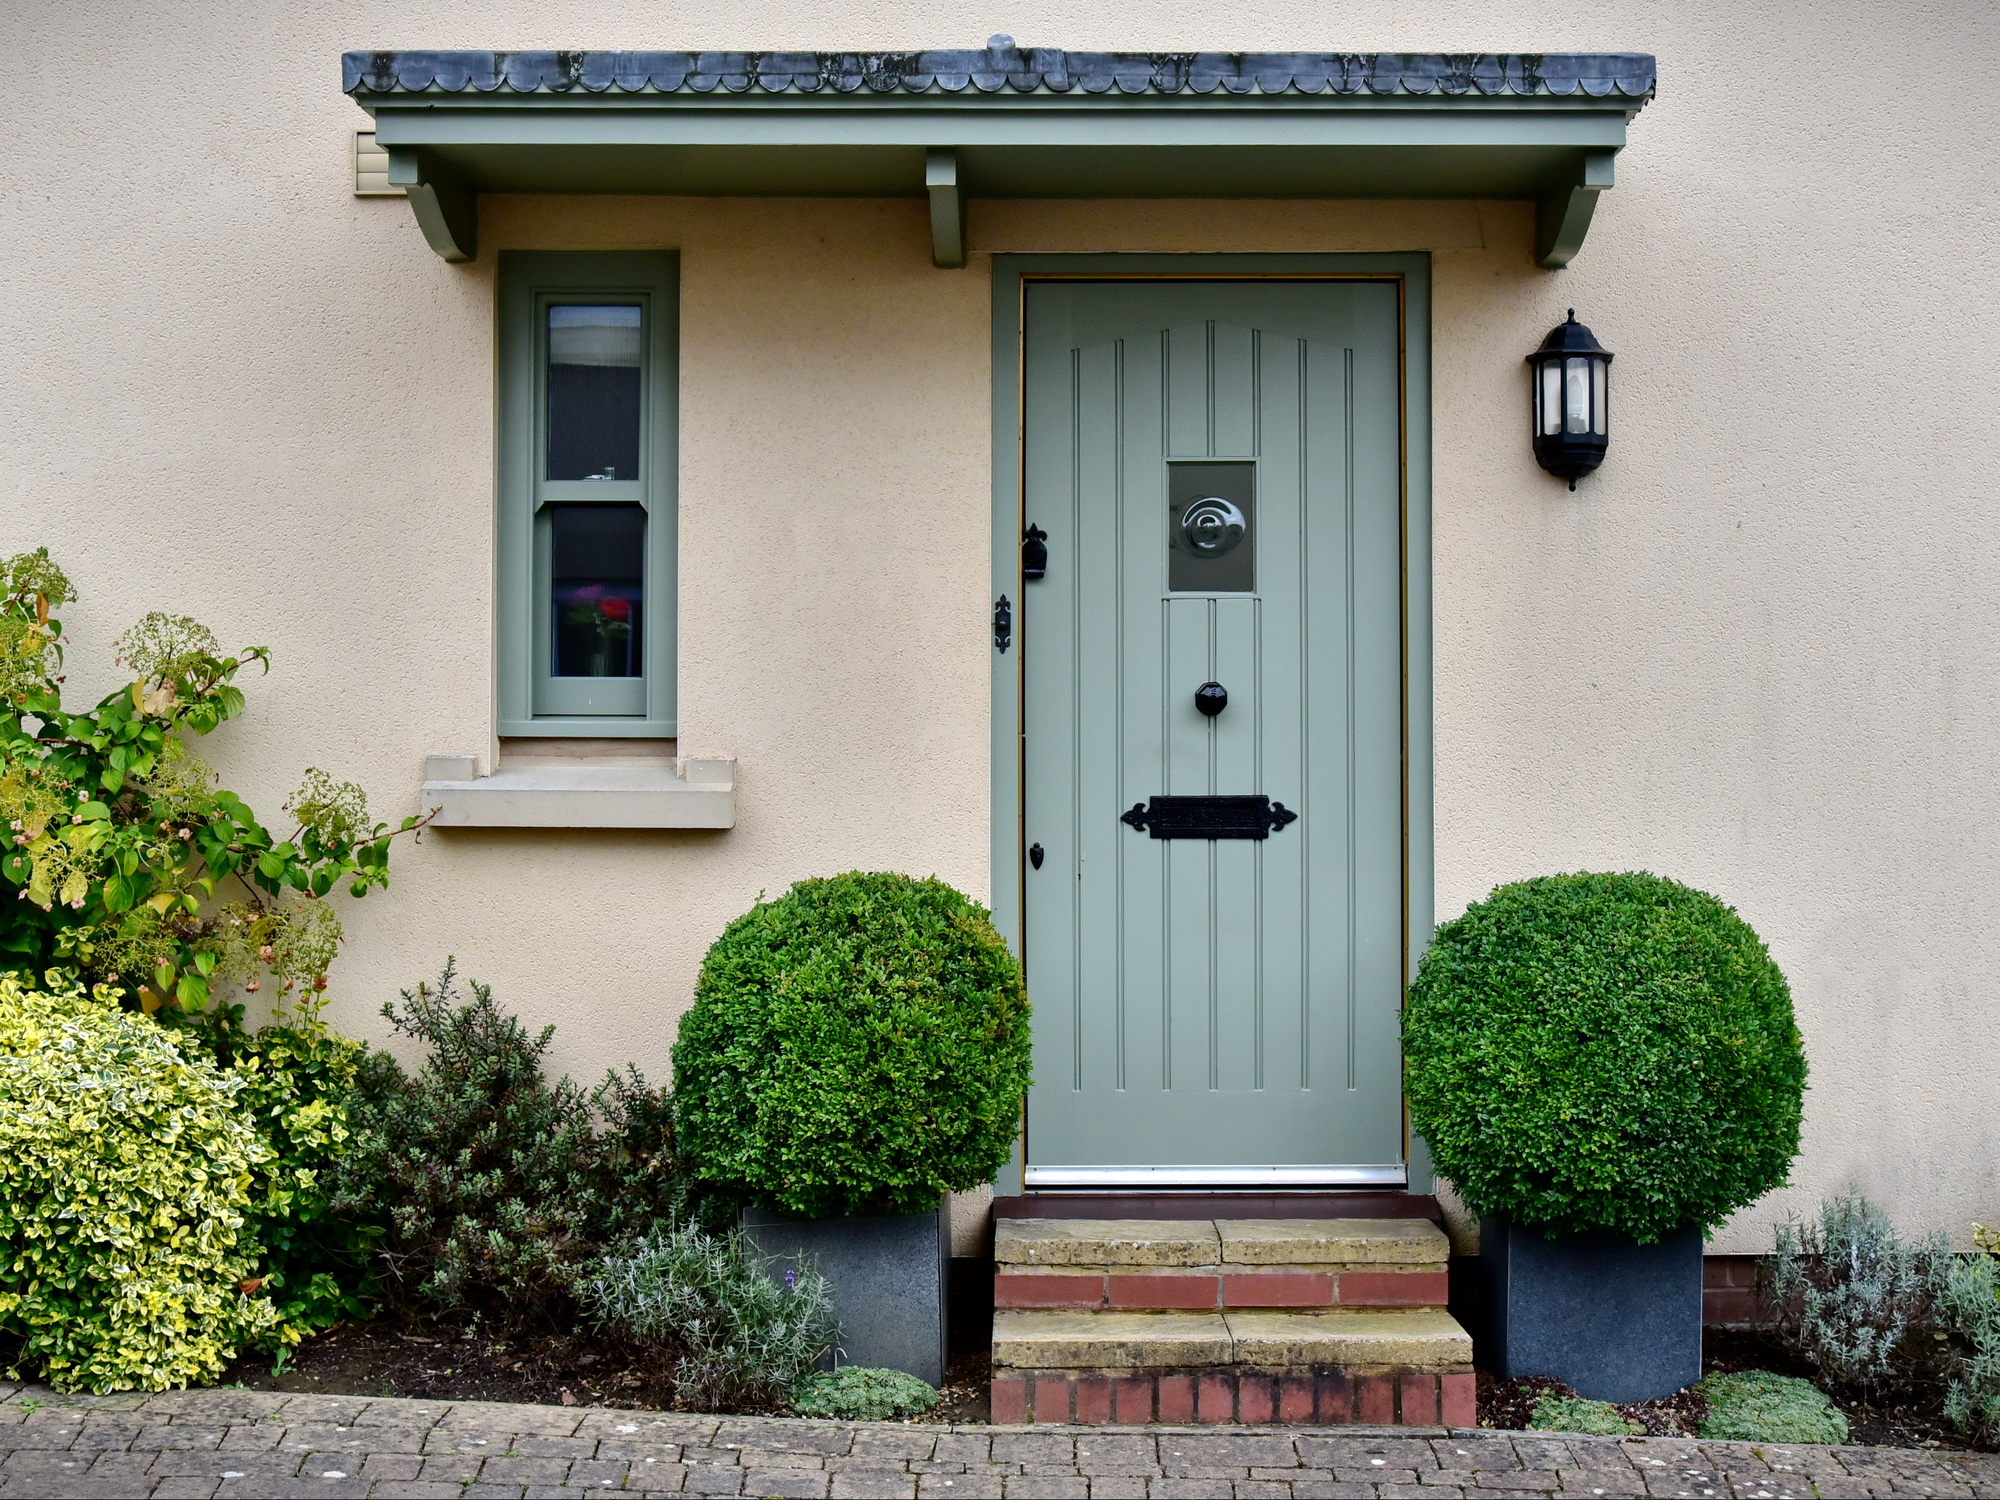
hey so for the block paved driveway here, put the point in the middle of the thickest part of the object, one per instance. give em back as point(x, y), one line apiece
point(224, 1443)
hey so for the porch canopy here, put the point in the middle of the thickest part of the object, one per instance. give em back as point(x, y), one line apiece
point(1002, 122)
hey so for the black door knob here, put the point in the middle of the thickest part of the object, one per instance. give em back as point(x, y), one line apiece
point(1211, 698)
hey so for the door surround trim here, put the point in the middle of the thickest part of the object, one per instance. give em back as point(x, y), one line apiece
point(1412, 271)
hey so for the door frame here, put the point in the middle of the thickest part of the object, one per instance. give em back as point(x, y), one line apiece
point(1011, 274)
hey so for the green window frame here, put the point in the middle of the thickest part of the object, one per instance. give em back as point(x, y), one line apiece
point(533, 699)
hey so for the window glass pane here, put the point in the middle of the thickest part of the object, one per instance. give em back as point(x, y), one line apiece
point(1600, 386)
point(1551, 398)
point(594, 392)
point(599, 589)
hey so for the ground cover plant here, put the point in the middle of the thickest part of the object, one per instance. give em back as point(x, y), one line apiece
point(858, 1045)
point(1612, 1052)
point(1559, 1413)
point(1756, 1406)
point(855, 1393)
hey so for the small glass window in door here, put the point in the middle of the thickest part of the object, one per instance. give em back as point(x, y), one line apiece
point(1211, 524)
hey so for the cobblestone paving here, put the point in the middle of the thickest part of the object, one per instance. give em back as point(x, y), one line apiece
point(222, 1443)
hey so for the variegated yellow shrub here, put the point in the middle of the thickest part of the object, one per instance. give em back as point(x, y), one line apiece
point(125, 1167)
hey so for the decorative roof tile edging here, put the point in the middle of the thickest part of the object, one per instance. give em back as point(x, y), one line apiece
point(1009, 69)
point(1002, 122)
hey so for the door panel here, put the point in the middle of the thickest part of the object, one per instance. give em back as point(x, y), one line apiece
point(1216, 1005)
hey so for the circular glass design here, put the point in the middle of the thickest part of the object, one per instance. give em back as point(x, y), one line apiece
point(1212, 527)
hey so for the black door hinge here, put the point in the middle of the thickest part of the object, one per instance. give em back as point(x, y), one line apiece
point(1034, 553)
point(1003, 623)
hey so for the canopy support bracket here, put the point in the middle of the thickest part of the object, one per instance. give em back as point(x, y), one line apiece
point(947, 207)
point(1562, 217)
point(446, 206)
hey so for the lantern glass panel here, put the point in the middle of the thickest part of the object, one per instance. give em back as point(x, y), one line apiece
point(1576, 395)
point(1552, 398)
point(1600, 392)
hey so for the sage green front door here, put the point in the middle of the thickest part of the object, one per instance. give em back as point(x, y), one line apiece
point(1217, 466)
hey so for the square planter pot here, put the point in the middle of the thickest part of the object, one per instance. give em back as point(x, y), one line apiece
point(1617, 1320)
point(886, 1275)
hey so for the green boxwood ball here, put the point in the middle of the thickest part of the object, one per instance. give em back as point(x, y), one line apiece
point(1609, 1052)
point(859, 1045)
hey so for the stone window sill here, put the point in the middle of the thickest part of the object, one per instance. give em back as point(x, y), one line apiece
point(682, 793)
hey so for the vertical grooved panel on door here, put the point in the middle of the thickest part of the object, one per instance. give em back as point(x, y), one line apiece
point(1214, 1003)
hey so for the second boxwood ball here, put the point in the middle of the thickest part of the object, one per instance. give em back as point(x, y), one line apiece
point(1609, 1052)
point(858, 1045)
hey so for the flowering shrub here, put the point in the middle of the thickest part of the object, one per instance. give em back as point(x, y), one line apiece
point(125, 1166)
point(121, 857)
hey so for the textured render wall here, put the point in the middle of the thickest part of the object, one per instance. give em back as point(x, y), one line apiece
point(1757, 652)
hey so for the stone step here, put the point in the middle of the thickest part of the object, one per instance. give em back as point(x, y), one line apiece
point(1400, 1338)
point(1111, 1265)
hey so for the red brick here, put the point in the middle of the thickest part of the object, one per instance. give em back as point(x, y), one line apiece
point(1375, 1400)
point(1277, 1289)
point(1048, 1291)
point(1132, 1396)
point(1394, 1289)
point(1163, 1291)
point(1052, 1398)
point(1093, 1400)
point(1419, 1393)
point(1336, 1398)
point(1256, 1398)
point(1215, 1397)
point(1295, 1398)
point(1461, 1399)
point(1176, 1398)
point(1009, 1395)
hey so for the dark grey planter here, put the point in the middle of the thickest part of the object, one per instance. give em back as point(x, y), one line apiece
point(1617, 1320)
point(886, 1275)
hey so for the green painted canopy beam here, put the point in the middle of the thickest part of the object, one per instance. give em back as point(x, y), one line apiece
point(525, 125)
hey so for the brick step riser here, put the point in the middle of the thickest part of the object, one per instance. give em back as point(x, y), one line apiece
point(1407, 1398)
point(1184, 1292)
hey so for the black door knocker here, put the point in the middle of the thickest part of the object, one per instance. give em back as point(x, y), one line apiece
point(1211, 698)
point(1035, 855)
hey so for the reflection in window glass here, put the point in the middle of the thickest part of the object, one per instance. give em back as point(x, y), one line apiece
point(599, 589)
point(593, 392)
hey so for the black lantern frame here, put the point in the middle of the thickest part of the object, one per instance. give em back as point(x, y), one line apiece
point(1570, 401)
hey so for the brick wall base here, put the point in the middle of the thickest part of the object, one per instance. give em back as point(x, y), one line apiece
point(1385, 1398)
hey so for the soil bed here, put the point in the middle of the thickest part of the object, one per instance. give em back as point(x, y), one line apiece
point(451, 1363)
point(1911, 1415)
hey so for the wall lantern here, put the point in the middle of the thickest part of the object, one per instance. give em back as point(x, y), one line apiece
point(1572, 401)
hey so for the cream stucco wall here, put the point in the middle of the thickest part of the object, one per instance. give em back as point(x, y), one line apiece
point(1759, 651)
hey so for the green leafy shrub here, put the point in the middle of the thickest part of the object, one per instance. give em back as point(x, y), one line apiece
point(1847, 1288)
point(297, 1083)
point(120, 857)
point(1971, 1303)
point(736, 1336)
point(1759, 1407)
point(858, 1045)
point(125, 1166)
point(497, 1188)
point(1555, 1413)
point(854, 1393)
point(1608, 1052)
